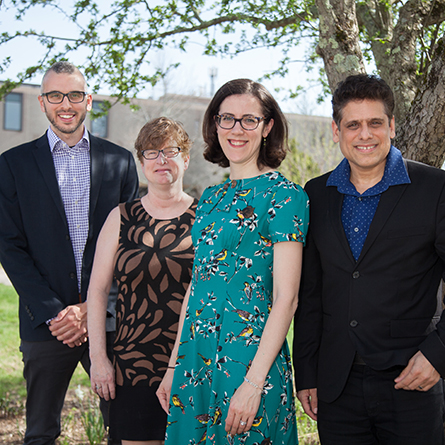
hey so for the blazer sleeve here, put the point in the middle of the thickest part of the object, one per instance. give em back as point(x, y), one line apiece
point(308, 317)
point(130, 188)
point(433, 347)
point(37, 299)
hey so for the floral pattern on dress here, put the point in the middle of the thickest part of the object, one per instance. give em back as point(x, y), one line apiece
point(236, 226)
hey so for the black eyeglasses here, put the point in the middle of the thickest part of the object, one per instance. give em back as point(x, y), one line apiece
point(227, 121)
point(168, 152)
point(56, 97)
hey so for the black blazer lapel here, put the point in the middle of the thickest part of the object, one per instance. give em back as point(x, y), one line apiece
point(388, 202)
point(97, 169)
point(44, 160)
point(335, 202)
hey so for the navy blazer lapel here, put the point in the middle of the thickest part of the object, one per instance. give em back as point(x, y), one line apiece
point(97, 169)
point(335, 202)
point(44, 159)
point(387, 203)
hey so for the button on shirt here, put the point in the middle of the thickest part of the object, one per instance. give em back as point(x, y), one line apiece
point(72, 166)
point(358, 210)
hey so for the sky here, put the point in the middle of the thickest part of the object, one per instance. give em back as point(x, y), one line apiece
point(193, 74)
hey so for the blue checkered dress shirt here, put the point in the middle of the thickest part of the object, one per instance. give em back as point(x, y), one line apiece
point(73, 175)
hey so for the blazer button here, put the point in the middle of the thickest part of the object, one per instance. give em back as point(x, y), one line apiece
point(356, 274)
point(353, 323)
point(72, 275)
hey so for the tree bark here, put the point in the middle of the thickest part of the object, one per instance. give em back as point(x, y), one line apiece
point(339, 40)
point(422, 135)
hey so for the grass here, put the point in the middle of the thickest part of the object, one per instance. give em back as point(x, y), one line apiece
point(11, 366)
point(12, 384)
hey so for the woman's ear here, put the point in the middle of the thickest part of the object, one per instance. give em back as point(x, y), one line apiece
point(267, 128)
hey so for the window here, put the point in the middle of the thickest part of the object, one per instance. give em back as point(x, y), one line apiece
point(99, 126)
point(13, 112)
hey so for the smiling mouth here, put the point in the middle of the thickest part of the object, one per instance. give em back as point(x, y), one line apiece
point(237, 143)
point(365, 147)
point(66, 116)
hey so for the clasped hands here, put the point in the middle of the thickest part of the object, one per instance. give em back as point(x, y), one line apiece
point(70, 325)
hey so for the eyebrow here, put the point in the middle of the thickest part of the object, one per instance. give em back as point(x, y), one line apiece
point(244, 115)
point(353, 121)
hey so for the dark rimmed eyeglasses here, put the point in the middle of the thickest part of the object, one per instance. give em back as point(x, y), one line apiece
point(168, 152)
point(56, 97)
point(227, 121)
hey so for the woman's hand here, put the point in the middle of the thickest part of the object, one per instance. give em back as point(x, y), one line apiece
point(243, 409)
point(102, 378)
point(164, 390)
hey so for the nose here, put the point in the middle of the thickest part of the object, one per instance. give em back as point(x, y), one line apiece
point(65, 101)
point(237, 128)
point(161, 159)
point(365, 132)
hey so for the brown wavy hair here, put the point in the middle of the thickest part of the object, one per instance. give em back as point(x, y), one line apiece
point(273, 151)
point(154, 134)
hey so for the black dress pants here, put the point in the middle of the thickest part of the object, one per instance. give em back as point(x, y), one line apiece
point(371, 412)
point(48, 368)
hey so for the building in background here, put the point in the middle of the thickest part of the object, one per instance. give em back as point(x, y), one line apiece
point(22, 121)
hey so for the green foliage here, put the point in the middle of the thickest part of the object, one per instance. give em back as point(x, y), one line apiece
point(12, 384)
point(93, 423)
point(118, 38)
point(9, 407)
point(11, 367)
point(298, 166)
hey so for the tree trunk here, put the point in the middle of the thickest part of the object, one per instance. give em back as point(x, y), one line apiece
point(422, 135)
point(339, 40)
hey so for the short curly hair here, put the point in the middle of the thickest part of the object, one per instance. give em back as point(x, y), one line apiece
point(154, 134)
point(273, 151)
point(360, 87)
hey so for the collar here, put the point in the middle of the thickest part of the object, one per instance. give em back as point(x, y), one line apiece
point(56, 144)
point(395, 174)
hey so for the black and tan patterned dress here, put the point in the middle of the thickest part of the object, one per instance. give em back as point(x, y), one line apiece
point(153, 270)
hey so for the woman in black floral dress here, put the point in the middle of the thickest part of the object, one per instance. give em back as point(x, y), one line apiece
point(146, 246)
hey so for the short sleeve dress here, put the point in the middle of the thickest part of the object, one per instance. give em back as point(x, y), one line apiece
point(237, 224)
point(153, 270)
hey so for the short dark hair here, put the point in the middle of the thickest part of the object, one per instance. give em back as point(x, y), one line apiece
point(273, 151)
point(154, 134)
point(63, 67)
point(360, 87)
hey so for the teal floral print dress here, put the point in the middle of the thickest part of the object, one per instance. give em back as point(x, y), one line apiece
point(236, 226)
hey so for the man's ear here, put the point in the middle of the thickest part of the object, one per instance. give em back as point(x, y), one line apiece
point(335, 131)
point(89, 102)
point(42, 105)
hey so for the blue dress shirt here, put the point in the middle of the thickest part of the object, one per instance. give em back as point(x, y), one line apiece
point(358, 210)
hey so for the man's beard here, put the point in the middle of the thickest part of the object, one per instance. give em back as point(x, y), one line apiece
point(65, 130)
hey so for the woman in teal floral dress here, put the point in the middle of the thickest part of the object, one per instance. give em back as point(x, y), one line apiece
point(229, 379)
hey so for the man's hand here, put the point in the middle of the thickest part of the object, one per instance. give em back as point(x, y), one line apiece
point(70, 325)
point(418, 375)
point(309, 400)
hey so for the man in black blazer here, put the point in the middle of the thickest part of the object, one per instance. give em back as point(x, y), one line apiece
point(55, 194)
point(369, 336)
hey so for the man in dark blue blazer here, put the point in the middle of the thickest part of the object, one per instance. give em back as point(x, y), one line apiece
point(369, 335)
point(55, 194)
